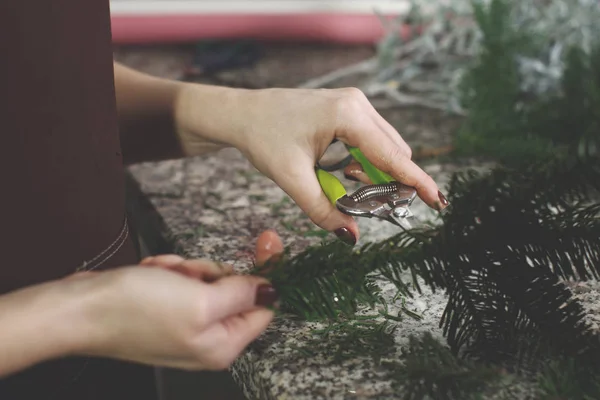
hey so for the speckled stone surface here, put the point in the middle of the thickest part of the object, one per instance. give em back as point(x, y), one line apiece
point(216, 206)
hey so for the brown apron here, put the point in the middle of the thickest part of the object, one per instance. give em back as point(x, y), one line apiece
point(63, 201)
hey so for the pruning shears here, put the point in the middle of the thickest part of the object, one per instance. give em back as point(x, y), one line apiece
point(385, 198)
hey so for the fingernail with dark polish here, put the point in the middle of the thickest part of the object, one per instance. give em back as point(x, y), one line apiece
point(443, 199)
point(346, 236)
point(266, 295)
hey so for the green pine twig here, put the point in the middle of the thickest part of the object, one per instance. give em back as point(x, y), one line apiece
point(351, 339)
point(430, 370)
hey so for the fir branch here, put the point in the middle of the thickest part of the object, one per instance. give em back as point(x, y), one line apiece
point(504, 120)
point(502, 247)
point(322, 282)
point(505, 249)
point(515, 314)
point(430, 370)
point(491, 90)
point(565, 378)
point(351, 339)
point(332, 281)
point(542, 212)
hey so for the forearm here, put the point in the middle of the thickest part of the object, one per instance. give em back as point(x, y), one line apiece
point(165, 119)
point(146, 109)
point(37, 324)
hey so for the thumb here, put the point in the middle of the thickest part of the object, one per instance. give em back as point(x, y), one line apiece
point(237, 294)
point(303, 187)
point(268, 247)
point(268, 252)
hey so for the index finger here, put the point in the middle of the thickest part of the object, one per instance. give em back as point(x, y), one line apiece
point(387, 156)
point(237, 294)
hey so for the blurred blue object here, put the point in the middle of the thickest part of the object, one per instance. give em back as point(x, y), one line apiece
point(214, 56)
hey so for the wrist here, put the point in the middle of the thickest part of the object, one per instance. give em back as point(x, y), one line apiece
point(208, 118)
point(40, 323)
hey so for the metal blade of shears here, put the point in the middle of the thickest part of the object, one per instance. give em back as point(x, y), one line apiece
point(385, 199)
point(388, 201)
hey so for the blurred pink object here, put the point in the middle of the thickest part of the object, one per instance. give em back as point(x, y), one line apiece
point(343, 21)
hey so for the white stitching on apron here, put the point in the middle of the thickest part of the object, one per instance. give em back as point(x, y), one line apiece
point(112, 248)
point(97, 261)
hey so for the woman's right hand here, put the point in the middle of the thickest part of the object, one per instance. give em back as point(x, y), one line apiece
point(180, 314)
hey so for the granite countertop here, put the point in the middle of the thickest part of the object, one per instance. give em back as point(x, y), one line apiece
point(216, 206)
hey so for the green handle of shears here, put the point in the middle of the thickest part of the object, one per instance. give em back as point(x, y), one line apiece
point(375, 175)
point(333, 188)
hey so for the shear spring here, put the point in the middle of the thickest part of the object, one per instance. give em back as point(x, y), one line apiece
point(367, 192)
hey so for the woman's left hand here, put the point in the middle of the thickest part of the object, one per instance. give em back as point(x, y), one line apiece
point(284, 132)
